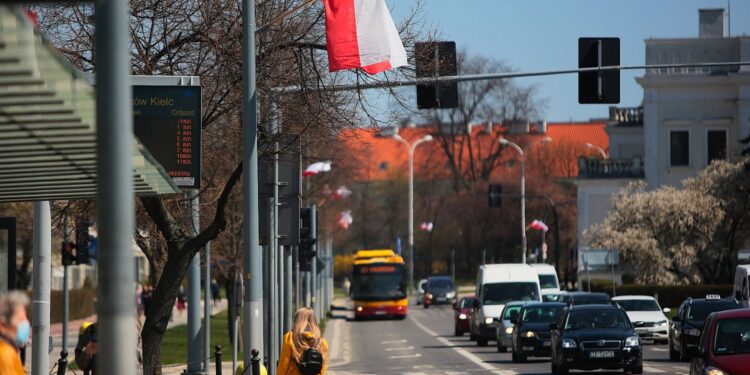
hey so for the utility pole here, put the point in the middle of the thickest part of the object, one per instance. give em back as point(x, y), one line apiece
point(207, 304)
point(41, 292)
point(253, 256)
point(194, 295)
point(66, 291)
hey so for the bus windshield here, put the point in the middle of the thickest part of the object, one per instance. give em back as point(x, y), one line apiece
point(378, 282)
point(502, 293)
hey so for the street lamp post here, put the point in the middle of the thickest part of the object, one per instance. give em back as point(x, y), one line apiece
point(598, 149)
point(410, 150)
point(505, 142)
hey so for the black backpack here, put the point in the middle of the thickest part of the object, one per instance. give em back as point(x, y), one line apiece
point(310, 362)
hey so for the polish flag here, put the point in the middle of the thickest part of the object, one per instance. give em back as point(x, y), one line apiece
point(345, 219)
point(361, 34)
point(315, 168)
point(539, 225)
point(342, 192)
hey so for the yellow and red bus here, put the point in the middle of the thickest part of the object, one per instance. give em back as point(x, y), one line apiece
point(379, 285)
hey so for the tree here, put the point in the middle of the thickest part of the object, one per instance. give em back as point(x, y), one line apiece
point(203, 38)
point(687, 235)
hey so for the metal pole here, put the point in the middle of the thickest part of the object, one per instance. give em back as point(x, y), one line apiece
point(453, 264)
point(287, 289)
point(114, 201)
point(484, 256)
point(313, 267)
point(297, 279)
point(253, 269)
point(308, 300)
point(194, 296)
point(271, 289)
point(41, 293)
point(207, 305)
point(523, 208)
point(66, 294)
point(275, 255)
point(411, 218)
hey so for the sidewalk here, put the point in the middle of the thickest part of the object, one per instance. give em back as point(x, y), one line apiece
point(337, 333)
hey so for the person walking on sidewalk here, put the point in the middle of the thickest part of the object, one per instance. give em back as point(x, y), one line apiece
point(304, 351)
point(15, 330)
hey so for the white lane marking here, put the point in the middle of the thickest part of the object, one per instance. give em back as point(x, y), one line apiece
point(404, 348)
point(465, 353)
point(417, 355)
point(393, 342)
point(649, 369)
point(422, 366)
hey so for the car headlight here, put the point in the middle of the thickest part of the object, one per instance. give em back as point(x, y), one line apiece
point(662, 323)
point(693, 332)
point(450, 294)
point(428, 295)
point(568, 343)
point(488, 320)
point(632, 341)
point(528, 334)
point(462, 316)
point(509, 330)
point(359, 309)
point(714, 371)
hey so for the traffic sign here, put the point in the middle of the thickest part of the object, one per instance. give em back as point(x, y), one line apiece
point(602, 86)
point(436, 59)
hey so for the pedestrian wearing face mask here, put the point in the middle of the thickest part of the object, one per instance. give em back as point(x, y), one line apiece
point(15, 330)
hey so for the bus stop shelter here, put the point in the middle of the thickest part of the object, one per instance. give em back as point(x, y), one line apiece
point(48, 147)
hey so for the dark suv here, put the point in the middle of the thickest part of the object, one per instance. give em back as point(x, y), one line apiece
point(687, 325)
point(590, 337)
point(439, 289)
point(531, 337)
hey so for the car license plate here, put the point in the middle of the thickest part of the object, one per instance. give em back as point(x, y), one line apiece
point(641, 330)
point(528, 348)
point(602, 354)
point(546, 344)
point(379, 312)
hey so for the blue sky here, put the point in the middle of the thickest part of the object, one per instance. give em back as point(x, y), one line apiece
point(532, 35)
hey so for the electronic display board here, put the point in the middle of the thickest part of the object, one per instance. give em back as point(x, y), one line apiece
point(167, 121)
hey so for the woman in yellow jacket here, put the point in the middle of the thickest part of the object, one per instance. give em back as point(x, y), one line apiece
point(304, 337)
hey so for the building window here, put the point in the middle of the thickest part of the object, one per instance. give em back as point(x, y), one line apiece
point(679, 148)
point(716, 145)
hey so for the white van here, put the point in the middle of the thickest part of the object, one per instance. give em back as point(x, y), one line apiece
point(547, 278)
point(498, 284)
point(741, 290)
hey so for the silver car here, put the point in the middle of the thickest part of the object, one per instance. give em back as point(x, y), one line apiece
point(504, 333)
point(420, 290)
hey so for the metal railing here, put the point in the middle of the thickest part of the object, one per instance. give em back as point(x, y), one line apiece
point(610, 168)
point(626, 115)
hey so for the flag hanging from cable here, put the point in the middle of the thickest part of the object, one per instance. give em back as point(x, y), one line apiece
point(539, 225)
point(315, 168)
point(361, 34)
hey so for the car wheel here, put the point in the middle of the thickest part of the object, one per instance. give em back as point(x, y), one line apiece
point(513, 356)
point(683, 357)
point(501, 349)
point(481, 341)
point(521, 358)
point(562, 370)
point(553, 367)
point(472, 336)
point(457, 331)
point(426, 306)
point(638, 369)
point(673, 354)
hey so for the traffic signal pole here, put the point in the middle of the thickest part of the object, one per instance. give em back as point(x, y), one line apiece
point(41, 292)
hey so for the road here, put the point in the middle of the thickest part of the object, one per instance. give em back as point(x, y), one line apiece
point(424, 344)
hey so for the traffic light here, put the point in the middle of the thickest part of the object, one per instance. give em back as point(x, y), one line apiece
point(598, 87)
point(436, 59)
point(495, 195)
point(82, 242)
point(67, 253)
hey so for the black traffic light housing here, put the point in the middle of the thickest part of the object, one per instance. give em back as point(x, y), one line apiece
point(495, 195)
point(307, 238)
point(82, 242)
point(436, 59)
point(67, 253)
point(598, 87)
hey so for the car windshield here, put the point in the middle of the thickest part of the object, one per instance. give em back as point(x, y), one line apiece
point(541, 314)
point(440, 284)
point(511, 310)
point(502, 293)
point(597, 319)
point(467, 302)
point(638, 304)
point(732, 336)
point(548, 281)
point(700, 311)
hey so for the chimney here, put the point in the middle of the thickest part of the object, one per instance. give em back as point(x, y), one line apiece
point(543, 128)
point(712, 23)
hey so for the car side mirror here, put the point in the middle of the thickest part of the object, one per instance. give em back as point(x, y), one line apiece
point(552, 326)
point(666, 310)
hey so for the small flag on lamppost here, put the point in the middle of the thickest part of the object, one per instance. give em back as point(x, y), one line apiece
point(539, 225)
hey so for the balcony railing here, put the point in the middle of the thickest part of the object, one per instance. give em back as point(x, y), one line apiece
point(609, 168)
point(626, 115)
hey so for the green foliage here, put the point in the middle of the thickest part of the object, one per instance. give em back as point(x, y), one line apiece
point(174, 345)
point(667, 295)
point(81, 303)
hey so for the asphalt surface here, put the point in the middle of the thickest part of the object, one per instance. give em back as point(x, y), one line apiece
point(424, 344)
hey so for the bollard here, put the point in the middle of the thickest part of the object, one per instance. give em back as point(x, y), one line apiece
point(255, 362)
point(217, 355)
point(62, 363)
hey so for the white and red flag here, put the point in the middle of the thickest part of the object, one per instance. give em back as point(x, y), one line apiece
point(345, 219)
point(539, 225)
point(361, 34)
point(315, 168)
point(342, 192)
